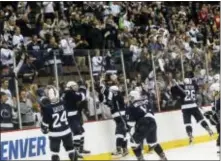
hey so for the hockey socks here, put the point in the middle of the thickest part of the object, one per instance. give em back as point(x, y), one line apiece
point(77, 144)
point(189, 131)
point(73, 156)
point(206, 126)
point(138, 152)
point(55, 158)
point(124, 143)
point(82, 150)
point(158, 149)
point(124, 146)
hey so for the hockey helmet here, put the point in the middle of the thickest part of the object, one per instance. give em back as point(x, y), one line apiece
point(139, 89)
point(72, 85)
point(134, 95)
point(52, 93)
point(202, 72)
point(215, 90)
point(216, 78)
point(187, 81)
point(113, 77)
point(114, 88)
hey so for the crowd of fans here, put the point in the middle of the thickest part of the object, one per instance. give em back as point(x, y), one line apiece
point(172, 37)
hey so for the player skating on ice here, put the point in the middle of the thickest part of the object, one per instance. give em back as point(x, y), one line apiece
point(72, 96)
point(214, 115)
point(117, 105)
point(55, 124)
point(140, 116)
point(186, 93)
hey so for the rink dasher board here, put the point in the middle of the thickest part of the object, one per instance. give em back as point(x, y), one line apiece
point(99, 138)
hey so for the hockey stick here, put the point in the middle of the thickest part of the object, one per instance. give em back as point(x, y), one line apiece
point(125, 124)
point(102, 63)
point(78, 70)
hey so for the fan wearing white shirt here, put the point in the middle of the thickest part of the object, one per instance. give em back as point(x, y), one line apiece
point(17, 39)
point(97, 62)
point(4, 88)
point(49, 10)
point(6, 56)
point(67, 45)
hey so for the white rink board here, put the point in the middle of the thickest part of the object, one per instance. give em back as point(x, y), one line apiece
point(99, 138)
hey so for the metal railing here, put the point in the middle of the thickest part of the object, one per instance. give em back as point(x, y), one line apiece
point(176, 61)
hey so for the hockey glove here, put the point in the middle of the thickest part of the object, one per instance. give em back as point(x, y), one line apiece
point(44, 129)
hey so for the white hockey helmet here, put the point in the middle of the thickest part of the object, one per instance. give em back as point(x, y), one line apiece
point(139, 89)
point(114, 88)
point(113, 77)
point(72, 85)
point(134, 95)
point(216, 78)
point(187, 81)
point(52, 93)
point(214, 90)
point(203, 72)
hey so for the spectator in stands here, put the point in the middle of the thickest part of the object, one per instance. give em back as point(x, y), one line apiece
point(48, 10)
point(26, 108)
point(9, 27)
point(26, 28)
point(6, 55)
point(50, 26)
point(97, 63)
point(67, 45)
point(6, 90)
point(63, 26)
point(32, 95)
point(53, 50)
point(28, 71)
point(18, 39)
point(35, 50)
point(80, 50)
point(6, 113)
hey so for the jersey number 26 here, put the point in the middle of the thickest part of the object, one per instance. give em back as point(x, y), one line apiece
point(190, 95)
point(59, 119)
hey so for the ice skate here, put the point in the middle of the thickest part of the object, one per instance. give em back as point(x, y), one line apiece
point(79, 155)
point(141, 158)
point(191, 140)
point(163, 156)
point(125, 152)
point(117, 153)
point(83, 151)
point(210, 132)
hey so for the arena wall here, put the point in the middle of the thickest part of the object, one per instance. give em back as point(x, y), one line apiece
point(31, 144)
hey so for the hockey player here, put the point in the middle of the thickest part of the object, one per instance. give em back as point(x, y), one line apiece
point(214, 115)
point(72, 96)
point(140, 116)
point(117, 105)
point(55, 124)
point(186, 92)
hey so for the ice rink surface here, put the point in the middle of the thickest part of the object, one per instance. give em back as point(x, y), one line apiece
point(203, 151)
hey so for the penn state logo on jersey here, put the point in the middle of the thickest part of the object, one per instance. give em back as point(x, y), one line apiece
point(6, 113)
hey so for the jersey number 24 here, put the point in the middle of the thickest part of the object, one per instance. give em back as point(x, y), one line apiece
point(59, 119)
